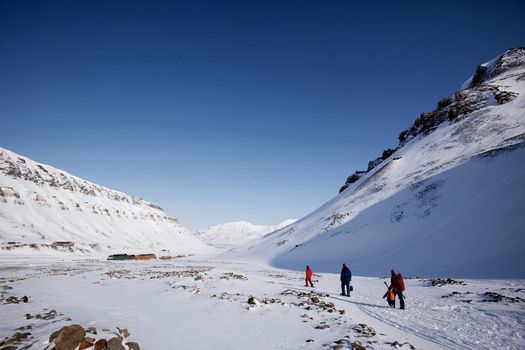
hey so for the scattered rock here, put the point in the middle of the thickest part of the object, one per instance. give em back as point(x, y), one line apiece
point(442, 282)
point(15, 339)
point(133, 346)
point(309, 340)
point(100, 344)
point(87, 343)
point(91, 330)
point(253, 301)
point(50, 315)
point(123, 332)
point(322, 326)
point(228, 275)
point(364, 331)
point(12, 300)
point(496, 297)
point(272, 301)
point(24, 328)
point(398, 345)
point(54, 334)
point(357, 346)
point(20, 336)
point(115, 344)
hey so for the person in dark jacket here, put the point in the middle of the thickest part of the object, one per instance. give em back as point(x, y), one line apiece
point(397, 285)
point(308, 278)
point(346, 277)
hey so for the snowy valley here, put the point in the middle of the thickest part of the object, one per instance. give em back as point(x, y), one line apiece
point(447, 202)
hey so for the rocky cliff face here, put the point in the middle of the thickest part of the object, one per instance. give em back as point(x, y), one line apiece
point(40, 204)
point(476, 93)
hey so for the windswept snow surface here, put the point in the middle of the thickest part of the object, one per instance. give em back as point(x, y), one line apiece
point(202, 304)
point(238, 232)
point(40, 204)
point(447, 203)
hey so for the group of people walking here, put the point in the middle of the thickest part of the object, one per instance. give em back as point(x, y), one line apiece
point(396, 287)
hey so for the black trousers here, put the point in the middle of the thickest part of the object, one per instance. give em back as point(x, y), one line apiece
point(347, 285)
point(401, 299)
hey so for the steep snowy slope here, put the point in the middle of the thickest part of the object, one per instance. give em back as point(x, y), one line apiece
point(40, 204)
point(237, 233)
point(448, 201)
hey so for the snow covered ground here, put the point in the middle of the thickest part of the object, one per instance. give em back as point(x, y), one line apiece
point(200, 303)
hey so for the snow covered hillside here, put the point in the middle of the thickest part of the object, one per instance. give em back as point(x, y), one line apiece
point(40, 205)
point(448, 201)
point(237, 233)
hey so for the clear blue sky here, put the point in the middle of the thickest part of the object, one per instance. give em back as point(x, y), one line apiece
point(223, 111)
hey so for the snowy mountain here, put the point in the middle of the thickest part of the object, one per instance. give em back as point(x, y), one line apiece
point(237, 233)
point(40, 205)
point(447, 201)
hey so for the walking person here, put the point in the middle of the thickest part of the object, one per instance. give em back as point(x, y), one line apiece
point(308, 278)
point(397, 285)
point(346, 277)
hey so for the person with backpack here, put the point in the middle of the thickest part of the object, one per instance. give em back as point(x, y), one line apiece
point(308, 278)
point(390, 298)
point(397, 285)
point(346, 277)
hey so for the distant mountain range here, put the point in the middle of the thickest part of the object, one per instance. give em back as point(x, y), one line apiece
point(449, 200)
point(236, 233)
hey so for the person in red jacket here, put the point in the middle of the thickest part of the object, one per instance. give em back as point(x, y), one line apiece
point(397, 285)
point(308, 278)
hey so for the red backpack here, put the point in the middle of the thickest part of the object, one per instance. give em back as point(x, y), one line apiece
point(398, 282)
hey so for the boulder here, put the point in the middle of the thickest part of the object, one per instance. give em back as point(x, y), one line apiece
point(357, 346)
point(123, 332)
point(115, 343)
point(87, 343)
point(133, 346)
point(54, 334)
point(253, 301)
point(70, 337)
point(100, 344)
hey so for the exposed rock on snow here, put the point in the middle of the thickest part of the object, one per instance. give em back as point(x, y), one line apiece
point(74, 337)
point(253, 301)
point(443, 282)
point(68, 338)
